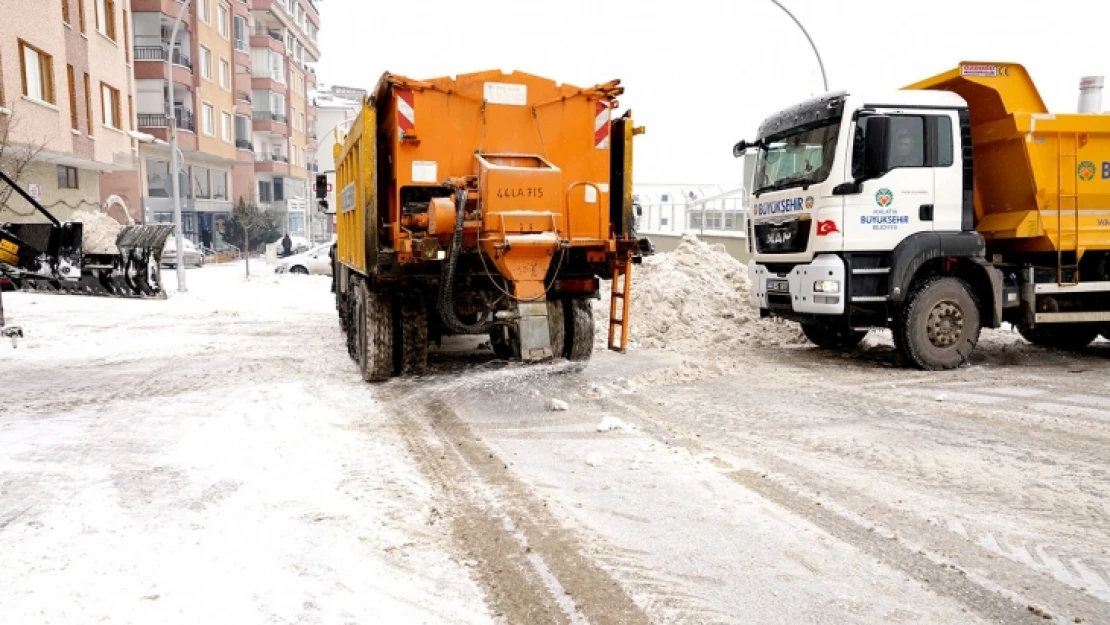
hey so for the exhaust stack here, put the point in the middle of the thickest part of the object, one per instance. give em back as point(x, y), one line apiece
point(1090, 94)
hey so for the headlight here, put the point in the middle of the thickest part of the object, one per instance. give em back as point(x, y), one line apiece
point(826, 286)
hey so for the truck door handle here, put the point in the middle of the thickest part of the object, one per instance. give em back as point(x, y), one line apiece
point(926, 212)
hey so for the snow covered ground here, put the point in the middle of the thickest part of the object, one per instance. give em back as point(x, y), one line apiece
point(211, 458)
point(215, 458)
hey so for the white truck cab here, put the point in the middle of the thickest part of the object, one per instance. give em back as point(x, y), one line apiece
point(833, 213)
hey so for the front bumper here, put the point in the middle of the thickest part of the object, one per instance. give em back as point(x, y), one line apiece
point(800, 294)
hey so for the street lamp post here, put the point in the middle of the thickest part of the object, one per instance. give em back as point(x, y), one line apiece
point(175, 165)
point(824, 78)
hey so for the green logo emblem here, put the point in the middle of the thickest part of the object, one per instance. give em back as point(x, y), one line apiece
point(884, 197)
point(809, 202)
point(1086, 170)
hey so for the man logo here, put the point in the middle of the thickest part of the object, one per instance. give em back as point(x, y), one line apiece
point(884, 197)
point(809, 203)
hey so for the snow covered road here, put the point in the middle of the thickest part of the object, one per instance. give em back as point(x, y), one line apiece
point(215, 458)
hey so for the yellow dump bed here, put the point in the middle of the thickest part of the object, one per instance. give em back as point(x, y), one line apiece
point(1042, 180)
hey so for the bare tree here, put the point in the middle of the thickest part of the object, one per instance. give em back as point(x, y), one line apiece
point(250, 224)
point(15, 158)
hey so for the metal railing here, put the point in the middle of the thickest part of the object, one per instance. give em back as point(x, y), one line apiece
point(185, 120)
point(243, 144)
point(243, 96)
point(267, 116)
point(242, 46)
point(158, 53)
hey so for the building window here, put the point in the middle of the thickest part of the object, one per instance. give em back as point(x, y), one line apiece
point(265, 191)
point(225, 75)
point(126, 39)
point(219, 185)
point(208, 123)
point(205, 63)
point(72, 84)
point(106, 18)
point(67, 177)
point(38, 73)
point(279, 189)
point(81, 14)
point(88, 105)
point(200, 176)
point(225, 126)
point(110, 101)
point(65, 11)
point(221, 21)
point(204, 11)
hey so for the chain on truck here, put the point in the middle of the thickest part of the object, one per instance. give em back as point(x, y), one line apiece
point(956, 203)
point(483, 204)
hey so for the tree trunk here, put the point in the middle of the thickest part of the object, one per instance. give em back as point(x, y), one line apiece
point(247, 249)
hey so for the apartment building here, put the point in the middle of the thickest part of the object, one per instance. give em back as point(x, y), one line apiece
point(238, 77)
point(283, 46)
point(65, 85)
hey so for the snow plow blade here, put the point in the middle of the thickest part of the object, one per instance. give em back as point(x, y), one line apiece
point(135, 272)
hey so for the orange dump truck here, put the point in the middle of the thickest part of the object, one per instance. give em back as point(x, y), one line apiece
point(483, 204)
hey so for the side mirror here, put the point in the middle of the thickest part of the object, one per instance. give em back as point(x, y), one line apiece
point(321, 186)
point(876, 152)
point(639, 211)
point(739, 149)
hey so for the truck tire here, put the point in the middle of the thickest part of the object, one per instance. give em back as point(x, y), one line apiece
point(376, 345)
point(580, 329)
point(939, 326)
point(557, 326)
point(1066, 337)
point(412, 335)
point(827, 337)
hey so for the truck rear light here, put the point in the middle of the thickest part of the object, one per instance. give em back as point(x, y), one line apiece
point(826, 286)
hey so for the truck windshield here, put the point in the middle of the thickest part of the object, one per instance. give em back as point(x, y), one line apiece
point(797, 157)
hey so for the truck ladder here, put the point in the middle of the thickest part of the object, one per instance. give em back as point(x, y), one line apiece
point(1067, 239)
point(621, 293)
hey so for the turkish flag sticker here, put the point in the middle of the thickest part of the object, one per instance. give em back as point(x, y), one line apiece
point(825, 228)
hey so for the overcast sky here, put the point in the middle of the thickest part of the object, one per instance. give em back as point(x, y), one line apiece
point(702, 74)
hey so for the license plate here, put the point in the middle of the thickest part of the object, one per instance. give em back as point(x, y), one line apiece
point(778, 286)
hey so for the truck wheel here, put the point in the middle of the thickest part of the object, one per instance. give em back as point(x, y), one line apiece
point(376, 349)
point(557, 326)
point(580, 330)
point(939, 325)
point(1067, 337)
point(412, 335)
point(832, 338)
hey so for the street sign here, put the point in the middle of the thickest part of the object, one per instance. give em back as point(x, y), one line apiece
point(35, 191)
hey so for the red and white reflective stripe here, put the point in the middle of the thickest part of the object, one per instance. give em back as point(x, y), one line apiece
point(406, 115)
point(601, 125)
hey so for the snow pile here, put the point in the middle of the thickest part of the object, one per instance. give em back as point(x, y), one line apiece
point(99, 232)
point(694, 298)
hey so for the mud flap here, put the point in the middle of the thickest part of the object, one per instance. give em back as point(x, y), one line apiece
point(535, 336)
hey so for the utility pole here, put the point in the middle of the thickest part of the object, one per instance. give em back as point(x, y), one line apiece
point(175, 165)
point(824, 78)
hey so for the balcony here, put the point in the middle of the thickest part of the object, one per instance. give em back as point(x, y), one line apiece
point(268, 116)
point(271, 163)
point(156, 124)
point(184, 118)
point(243, 96)
point(242, 46)
point(158, 53)
point(244, 144)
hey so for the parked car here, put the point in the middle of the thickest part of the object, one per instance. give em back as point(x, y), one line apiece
point(316, 261)
point(193, 256)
